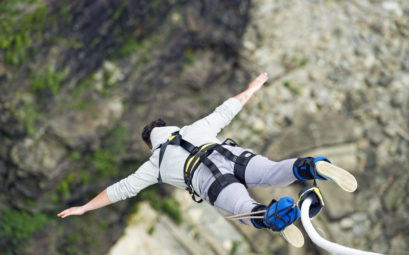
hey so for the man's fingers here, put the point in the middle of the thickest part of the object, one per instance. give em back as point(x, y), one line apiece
point(71, 211)
point(259, 81)
point(61, 213)
point(263, 76)
point(64, 213)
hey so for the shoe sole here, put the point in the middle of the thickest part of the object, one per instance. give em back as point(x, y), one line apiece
point(293, 236)
point(337, 175)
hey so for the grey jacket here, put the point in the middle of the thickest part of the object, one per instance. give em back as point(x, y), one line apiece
point(200, 132)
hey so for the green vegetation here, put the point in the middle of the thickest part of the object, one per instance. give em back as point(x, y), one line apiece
point(300, 62)
point(32, 116)
point(18, 28)
point(104, 162)
point(189, 56)
point(65, 11)
point(169, 205)
point(294, 62)
point(116, 140)
point(28, 115)
point(129, 47)
point(99, 82)
point(74, 155)
point(64, 186)
point(29, 111)
point(119, 11)
point(94, 42)
point(53, 198)
point(49, 80)
point(74, 44)
point(303, 62)
point(294, 88)
point(83, 86)
point(100, 164)
point(23, 23)
point(18, 226)
point(233, 249)
point(151, 230)
point(88, 234)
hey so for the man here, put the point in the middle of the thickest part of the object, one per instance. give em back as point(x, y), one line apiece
point(193, 158)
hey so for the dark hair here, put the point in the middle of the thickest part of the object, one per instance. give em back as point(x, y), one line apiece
point(146, 133)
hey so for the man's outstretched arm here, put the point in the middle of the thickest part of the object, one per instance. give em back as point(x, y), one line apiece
point(223, 114)
point(128, 187)
point(253, 87)
point(99, 201)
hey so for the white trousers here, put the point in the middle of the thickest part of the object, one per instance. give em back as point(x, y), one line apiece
point(260, 172)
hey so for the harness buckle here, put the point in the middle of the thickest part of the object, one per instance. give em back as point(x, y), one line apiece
point(189, 189)
point(195, 150)
point(230, 142)
point(194, 194)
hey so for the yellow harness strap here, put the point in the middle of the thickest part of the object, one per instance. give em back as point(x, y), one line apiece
point(191, 167)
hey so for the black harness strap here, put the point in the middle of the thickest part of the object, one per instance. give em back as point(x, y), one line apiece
point(163, 147)
point(240, 161)
point(185, 144)
point(217, 186)
point(175, 139)
point(240, 169)
point(222, 181)
point(229, 155)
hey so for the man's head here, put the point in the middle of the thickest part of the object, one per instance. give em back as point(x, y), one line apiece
point(146, 133)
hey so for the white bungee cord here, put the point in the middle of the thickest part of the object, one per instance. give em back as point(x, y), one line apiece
point(331, 247)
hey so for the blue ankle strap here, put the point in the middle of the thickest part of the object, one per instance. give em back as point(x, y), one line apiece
point(313, 171)
point(281, 214)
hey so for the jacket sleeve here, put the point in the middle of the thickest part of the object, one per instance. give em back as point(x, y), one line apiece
point(130, 186)
point(218, 119)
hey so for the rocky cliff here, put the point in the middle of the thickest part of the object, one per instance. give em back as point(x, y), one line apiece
point(79, 79)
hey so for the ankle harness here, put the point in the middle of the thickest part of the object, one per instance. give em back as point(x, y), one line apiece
point(305, 169)
point(198, 155)
point(277, 215)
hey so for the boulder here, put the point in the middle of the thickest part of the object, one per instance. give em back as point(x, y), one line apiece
point(38, 156)
point(78, 129)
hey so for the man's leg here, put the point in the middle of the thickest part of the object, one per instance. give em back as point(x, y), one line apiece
point(235, 199)
point(262, 172)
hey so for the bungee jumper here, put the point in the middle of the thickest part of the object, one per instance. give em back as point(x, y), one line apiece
point(193, 158)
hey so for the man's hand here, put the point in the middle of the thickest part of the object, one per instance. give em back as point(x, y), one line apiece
point(78, 210)
point(258, 82)
point(253, 87)
point(99, 201)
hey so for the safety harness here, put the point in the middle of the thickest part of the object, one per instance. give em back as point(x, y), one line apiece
point(199, 154)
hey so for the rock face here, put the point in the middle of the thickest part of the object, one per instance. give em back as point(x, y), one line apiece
point(337, 68)
point(79, 80)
